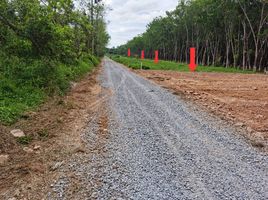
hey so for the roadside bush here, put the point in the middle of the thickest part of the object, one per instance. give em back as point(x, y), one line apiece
point(7, 87)
point(25, 86)
point(44, 46)
point(93, 59)
point(14, 100)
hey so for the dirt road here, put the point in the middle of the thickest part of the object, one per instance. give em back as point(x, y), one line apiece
point(150, 144)
point(240, 98)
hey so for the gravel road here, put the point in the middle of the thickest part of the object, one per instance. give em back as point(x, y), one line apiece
point(161, 147)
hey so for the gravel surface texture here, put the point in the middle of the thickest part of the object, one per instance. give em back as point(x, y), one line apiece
point(160, 147)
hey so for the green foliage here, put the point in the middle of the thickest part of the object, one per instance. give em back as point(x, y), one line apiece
point(94, 60)
point(43, 46)
point(28, 91)
point(224, 33)
point(15, 100)
point(25, 140)
point(135, 63)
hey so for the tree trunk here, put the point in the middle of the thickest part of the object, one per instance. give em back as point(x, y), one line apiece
point(244, 45)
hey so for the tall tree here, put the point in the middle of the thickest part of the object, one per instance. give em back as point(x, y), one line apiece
point(224, 32)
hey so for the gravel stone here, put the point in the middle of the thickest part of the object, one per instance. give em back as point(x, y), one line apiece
point(17, 133)
point(3, 159)
point(162, 147)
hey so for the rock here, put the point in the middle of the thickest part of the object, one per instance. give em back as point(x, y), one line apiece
point(37, 167)
point(239, 124)
point(115, 166)
point(259, 116)
point(37, 147)
point(4, 159)
point(28, 150)
point(56, 166)
point(258, 144)
point(17, 193)
point(79, 150)
point(94, 195)
point(259, 135)
point(73, 84)
point(254, 88)
point(17, 133)
point(250, 130)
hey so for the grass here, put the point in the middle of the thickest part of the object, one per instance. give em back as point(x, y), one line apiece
point(25, 140)
point(147, 64)
point(18, 96)
point(14, 103)
point(43, 135)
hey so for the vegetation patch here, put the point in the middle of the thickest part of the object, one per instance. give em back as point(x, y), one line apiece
point(25, 140)
point(146, 64)
point(25, 93)
point(45, 46)
point(43, 134)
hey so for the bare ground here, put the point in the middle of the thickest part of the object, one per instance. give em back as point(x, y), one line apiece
point(55, 127)
point(239, 98)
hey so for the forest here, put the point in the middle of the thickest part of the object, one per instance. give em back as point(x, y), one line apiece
point(229, 33)
point(44, 45)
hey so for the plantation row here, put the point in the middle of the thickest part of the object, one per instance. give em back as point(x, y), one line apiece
point(225, 33)
point(147, 64)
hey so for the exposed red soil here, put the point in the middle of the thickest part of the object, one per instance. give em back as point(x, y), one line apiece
point(240, 98)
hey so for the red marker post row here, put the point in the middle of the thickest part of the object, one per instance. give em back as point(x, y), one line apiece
point(192, 65)
point(142, 54)
point(156, 59)
point(156, 53)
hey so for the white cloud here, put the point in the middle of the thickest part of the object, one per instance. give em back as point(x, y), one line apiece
point(129, 18)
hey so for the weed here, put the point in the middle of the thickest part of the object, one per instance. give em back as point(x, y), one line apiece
point(43, 134)
point(27, 90)
point(61, 102)
point(25, 140)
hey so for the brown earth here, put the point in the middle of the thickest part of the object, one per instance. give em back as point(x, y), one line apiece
point(240, 98)
point(55, 127)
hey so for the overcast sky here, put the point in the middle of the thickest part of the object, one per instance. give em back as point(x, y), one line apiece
point(129, 18)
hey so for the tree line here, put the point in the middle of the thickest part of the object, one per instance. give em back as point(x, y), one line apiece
point(230, 33)
point(36, 36)
point(44, 45)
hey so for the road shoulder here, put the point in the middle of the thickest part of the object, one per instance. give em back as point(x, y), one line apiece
point(55, 130)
